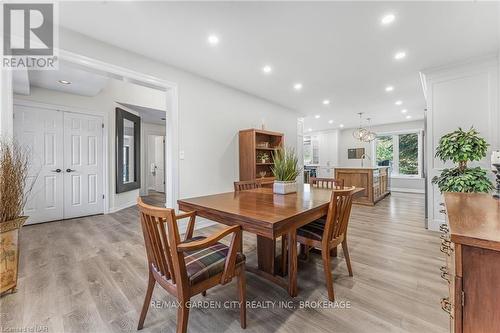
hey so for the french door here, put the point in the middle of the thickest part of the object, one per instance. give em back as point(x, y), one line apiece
point(66, 162)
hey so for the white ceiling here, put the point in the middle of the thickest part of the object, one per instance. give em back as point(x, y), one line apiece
point(337, 50)
point(148, 115)
point(83, 82)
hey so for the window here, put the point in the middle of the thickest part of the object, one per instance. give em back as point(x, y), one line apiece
point(311, 150)
point(408, 154)
point(401, 152)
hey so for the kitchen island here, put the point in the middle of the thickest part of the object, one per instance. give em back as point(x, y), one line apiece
point(375, 181)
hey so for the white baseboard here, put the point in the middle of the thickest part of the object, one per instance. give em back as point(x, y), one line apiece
point(406, 190)
point(126, 205)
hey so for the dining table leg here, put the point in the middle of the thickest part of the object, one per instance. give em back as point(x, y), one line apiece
point(292, 262)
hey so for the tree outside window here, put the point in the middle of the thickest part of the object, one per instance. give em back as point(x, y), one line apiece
point(400, 152)
point(408, 154)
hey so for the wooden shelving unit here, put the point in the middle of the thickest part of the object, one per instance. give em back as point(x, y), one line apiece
point(251, 142)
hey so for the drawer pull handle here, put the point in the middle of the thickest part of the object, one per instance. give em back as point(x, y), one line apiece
point(445, 275)
point(445, 242)
point(444, 228)
point(444, 237)
point(446, 305)
point(446, 249)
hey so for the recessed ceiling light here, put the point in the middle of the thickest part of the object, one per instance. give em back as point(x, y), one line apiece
point(330, 121)
point(213, 39)
point(63, 82)
point(398, 102)
point(404, 111)
point(400, 55)
point(388, 19)
point(341, 125)
point(267, 69)
point(326, 101)
point(408, 117)
point(309, 129)
point(389, 88)
point(317, 116)
point(297, 86)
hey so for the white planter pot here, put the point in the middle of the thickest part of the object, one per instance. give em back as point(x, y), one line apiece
point(284, 187)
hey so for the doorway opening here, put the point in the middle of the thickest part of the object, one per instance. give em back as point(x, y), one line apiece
point(75, 106)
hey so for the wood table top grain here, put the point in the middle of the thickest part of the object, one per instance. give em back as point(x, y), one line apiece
point(474, 219)
point(260, 209)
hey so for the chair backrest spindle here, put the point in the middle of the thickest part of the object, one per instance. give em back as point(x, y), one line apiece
point(161, 240)
point(246, 185)
point(330, 183)
point(339, 211)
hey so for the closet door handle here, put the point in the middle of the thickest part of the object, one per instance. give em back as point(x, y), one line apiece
point(70, 170)
point(57, 170)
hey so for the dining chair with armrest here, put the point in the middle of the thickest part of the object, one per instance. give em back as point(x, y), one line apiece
point(185, 268)
point(327, 233)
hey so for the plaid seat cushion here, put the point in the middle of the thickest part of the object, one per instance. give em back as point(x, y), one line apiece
point(313, 230)
point(205, 263)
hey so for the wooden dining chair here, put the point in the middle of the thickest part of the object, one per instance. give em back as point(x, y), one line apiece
point(246, 185)
point(327, 233)
point(185, 268)
point(326, 183)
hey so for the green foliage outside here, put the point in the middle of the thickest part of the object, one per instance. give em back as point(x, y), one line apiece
point(384, 149)
point(408, 154)
point(461, 147)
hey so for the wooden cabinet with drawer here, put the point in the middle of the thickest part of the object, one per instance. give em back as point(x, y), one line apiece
point(471, 244)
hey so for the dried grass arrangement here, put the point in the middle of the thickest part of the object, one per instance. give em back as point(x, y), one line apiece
point(14, 190)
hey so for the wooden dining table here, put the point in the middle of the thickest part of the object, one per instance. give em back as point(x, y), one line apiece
point(269, 216)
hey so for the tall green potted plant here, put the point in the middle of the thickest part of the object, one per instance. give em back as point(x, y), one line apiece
point(285, 170)
point(14, 191)
point(462, 147)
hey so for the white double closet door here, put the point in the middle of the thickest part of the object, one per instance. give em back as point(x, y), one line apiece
point(66, 161)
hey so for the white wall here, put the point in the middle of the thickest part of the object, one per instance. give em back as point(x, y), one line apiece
point(104, 104)
point(6, 121)
point(346, 141)
point(462, 95)
point(210, 116)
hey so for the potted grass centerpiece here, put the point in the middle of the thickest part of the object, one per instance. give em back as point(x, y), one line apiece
point(285, 170)
point(14, 161)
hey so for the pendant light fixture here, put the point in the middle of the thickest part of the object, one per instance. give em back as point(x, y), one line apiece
point(364, 134)
point(370, 136)
point(360, 132)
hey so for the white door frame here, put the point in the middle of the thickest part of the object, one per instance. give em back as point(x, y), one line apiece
point(72, 109)
point(172, 129)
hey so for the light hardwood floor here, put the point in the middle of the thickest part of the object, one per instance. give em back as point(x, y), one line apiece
point(89, 275)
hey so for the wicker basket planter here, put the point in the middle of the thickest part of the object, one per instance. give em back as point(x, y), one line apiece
point(9, 253)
